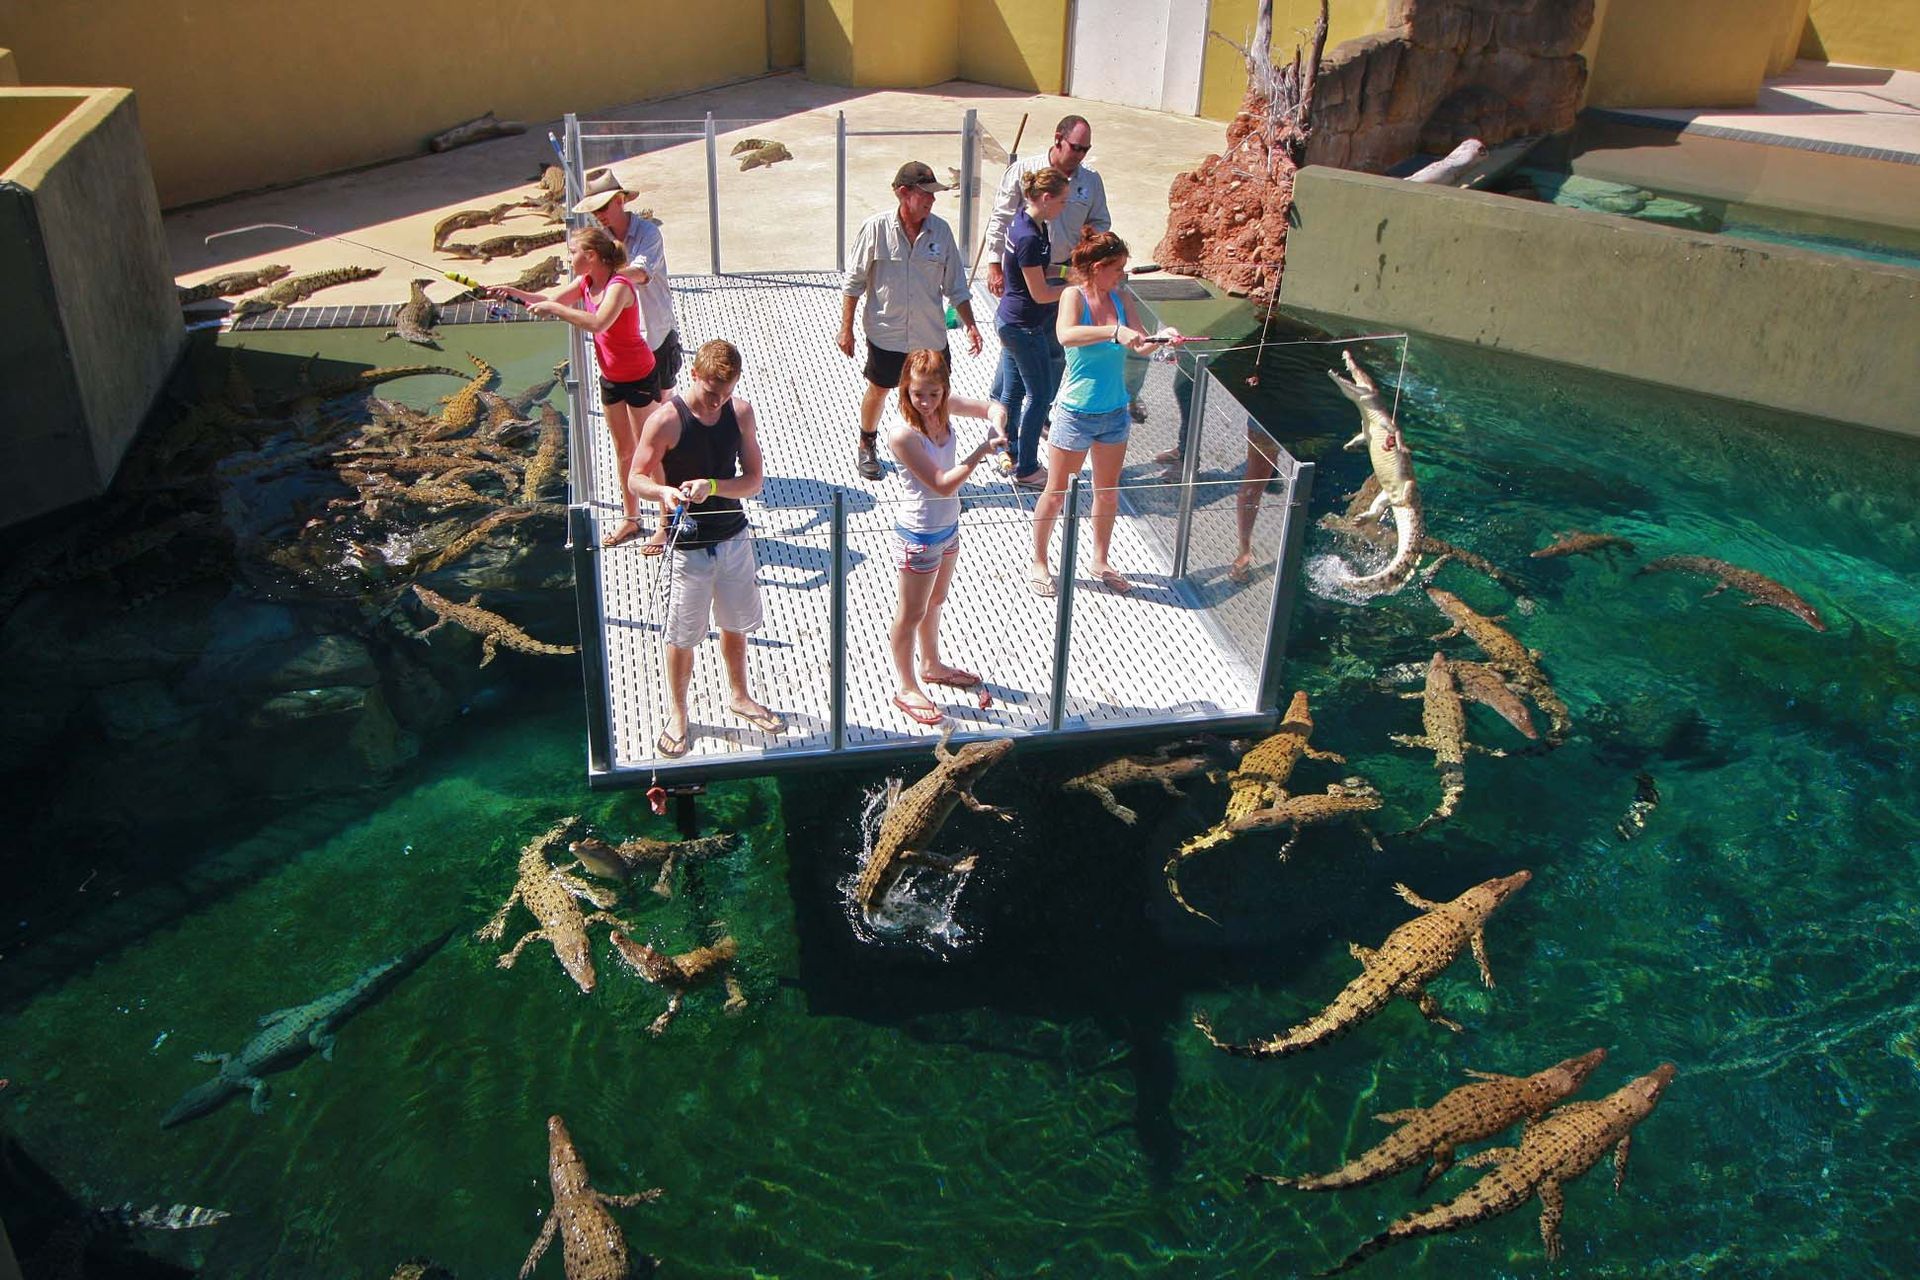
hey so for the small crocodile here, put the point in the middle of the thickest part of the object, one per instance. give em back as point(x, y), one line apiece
point(1578, 542)
point(1386, 447)
point(1757, 587)
point(512, 246)
point(1646, 798)
point(1443, 721)
point(289, 1035)
point(233, 282)
point(492, 629)
point(544, 274)
point(548, 454)
point(1413, 955)
point(1343, 799)
point(1162, 767)
point(591, 1244)
point(914, 816)
point(300, 288)
point(1467, 1114)
point(549, 894)
point(484, 526)
point(1482, 684)
point(420, 1269)
point(621, 861)
point(680, 974)
point(1553, 1151)
point(765, 156)
point(1511, 659)
point(467, 219)
point(478, 129)
point(416, 319)
point(462, 409)
point(1259, 781)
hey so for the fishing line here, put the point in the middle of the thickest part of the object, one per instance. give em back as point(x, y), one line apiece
point(454, 276)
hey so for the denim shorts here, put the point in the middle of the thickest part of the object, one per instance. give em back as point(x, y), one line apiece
point(1081, 431)
point(919, 554)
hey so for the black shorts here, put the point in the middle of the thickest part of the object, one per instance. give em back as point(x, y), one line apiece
point(639, 393)
point(666, 362)
point(883, 366)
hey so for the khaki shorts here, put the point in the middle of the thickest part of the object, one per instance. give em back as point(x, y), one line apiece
point(718, 580)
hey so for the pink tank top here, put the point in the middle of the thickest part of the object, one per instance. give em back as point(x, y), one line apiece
point(622, 346)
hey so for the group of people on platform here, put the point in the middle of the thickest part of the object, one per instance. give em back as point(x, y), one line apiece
point(1065, 328)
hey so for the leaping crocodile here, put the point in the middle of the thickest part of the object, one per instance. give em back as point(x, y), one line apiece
point(549, 894)
point(289, 1035)
point(1443, 720)
point(493, 630)
point(914, 816)
point(1509, 657)
point(416, 319)
point(1757, 587)
point(1413, 955)
point(591, 1244)
point(1468, 1114)
point(621, 861)
point(1393, 466)
point(680, 974)
point(1553, 1151)
point(1162, 767)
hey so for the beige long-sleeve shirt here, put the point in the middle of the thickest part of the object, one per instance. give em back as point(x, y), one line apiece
point(907, 282)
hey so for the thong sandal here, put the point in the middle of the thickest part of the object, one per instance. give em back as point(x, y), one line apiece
point(763, 720)
point(958, 678)
point(1041, 584)
point(669, 746)
point(626, 531)
point(1113, 582)
point(928, 715)
point(656, 543)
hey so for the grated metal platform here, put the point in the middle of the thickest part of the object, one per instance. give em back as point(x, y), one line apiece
point(1165, 654)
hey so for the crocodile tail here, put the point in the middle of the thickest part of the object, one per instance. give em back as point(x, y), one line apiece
point(1361, 1254)
point(1258, 1049)
point(1173, 887)
point(1410, 528)
point(1456, 787)
point(198, 1100)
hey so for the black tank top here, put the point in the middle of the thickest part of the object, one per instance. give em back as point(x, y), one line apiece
point(707, 452)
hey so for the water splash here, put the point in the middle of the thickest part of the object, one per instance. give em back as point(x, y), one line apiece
point(918, 908)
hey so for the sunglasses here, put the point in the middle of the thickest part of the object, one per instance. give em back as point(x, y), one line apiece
point(1076, 148)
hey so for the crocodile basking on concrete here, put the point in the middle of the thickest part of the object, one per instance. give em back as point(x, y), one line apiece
point(416, 319)
point(1413, 955)
point(1162, 767)
point(300, 288)
point(1553, 1151)
point(621, 861)
point(1258, 782)
point(1386, 447)
point(492, 629)
point(1443, 722)
point(288, 1035)
point(467, 219)
point(1578, 542)
point(914, 816)
point(233, 282)
point(1757, 587)
point(1519, 665)
point(549, 894)
point(1469, 1113)
point(505, 246)
point(591, 1244)
point(680, 974)
point(542, 275)
point(771, 153)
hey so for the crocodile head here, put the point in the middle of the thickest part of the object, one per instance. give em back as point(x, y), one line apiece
point(1299, 717)
point(974, 759)
point(1569, 1074)
point(1361, 389)
point(568, 1175)
point(1650, 1086)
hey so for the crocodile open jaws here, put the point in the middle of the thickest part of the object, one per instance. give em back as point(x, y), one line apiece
point(1393, 467)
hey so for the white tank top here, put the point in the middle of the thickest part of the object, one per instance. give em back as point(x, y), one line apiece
point(925, 511)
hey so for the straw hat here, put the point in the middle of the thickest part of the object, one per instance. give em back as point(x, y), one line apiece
point(602, 187)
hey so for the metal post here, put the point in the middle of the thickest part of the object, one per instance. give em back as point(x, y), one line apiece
point(579, 447)
point(1190, 461)
point(1063, 607)
point(713, 195)
point(969, 144)
point(571, 162)
point(593, 657)
point(837, 621)
point(1286, 582)
point(840, 192)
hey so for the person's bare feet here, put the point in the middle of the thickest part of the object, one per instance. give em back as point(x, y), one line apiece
point(1242, 568)
point(759, 717)
point(656, 541)
point(1113, 581)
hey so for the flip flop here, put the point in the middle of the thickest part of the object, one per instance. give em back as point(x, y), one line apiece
point(764, 721)
point(958, 678)
point(1239, 572)
point(669, 746)
point(1113, 582)
point(1041, 584)
point(925, 715)
point(626, 531)
point(656, 543)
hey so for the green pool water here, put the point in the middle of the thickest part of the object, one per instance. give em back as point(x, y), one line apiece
point(1036, 1102)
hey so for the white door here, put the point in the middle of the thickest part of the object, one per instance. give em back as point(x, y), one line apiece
point(1138, 53)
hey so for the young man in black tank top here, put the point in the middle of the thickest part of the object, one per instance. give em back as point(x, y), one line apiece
point(706, 446)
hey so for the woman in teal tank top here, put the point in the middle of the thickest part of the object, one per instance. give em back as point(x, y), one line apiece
point(1090, 411)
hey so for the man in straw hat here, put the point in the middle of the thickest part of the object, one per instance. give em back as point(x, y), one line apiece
point(908, 265)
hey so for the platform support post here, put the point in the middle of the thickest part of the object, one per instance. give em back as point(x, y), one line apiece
point(1286, 582)
point(1063, 604)
point(593, 655)
point(713, 195)
point(969, 148)
point(840, 191)
point(1190, 461)
point(837, 619)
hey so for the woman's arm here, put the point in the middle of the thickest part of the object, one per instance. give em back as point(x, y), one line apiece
point(915, 452)
point(612, 303)
point(565, 295)
point(1038, 287)
point(1071, 333)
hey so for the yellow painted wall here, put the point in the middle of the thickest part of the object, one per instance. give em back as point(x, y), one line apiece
point(9, 70)
point(1707, 53)
point(236, 94)
point(1021, 44)
point(830, 40)
point(1223, 74)
point(875, 44)
point(1786, 41)
point(786, 23)
point(1873, 33)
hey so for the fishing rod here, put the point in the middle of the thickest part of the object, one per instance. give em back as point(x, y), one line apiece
point(455, 276)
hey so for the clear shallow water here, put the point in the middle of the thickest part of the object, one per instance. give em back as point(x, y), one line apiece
point(1035, 1102)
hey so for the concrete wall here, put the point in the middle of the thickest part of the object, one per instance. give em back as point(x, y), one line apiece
point(786, 33)
point(92, 326)
point(1874, 33)
point(867, 44)
point(9, 70)
point(1794, 330)
point(1223, 76)
point(1705, 53)
point(1021, 44)
point(236, 94)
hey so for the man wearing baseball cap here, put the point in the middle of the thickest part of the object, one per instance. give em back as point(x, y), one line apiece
point(909, 267)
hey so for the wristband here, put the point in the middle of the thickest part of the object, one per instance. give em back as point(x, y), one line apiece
point(713, 487)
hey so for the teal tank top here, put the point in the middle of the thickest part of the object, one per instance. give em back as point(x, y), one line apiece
point(1095, 379)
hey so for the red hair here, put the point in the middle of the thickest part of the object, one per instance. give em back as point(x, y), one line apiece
point(924, 363)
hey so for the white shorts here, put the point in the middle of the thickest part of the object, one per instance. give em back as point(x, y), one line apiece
point(719, 580)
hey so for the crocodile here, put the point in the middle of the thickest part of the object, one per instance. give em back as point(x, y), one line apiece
point(420, 1269)
point(1470, 1113)
point(1553, 1151)
point(680, 974)
point(1577, 542)
point(502, 422)
point(1356, 524)
point(494, 631)
point(1443, 722)
point(1757, 587)
point(1259, 781)
point(351, 384)
point(621, 861)
point(300, 288)
point(484, 526)
point(416, 319)
point(1482, 684)
point(915, 815)
point(111, 554)
point(765, 157)
point(511, 246)
point(1386, 447)
point(1519, 665)
point(467, 219)
point(290, 1034)
point(478, 129)
point(591, 1245)
point(542, 275)
point(461, 411)
point(745, 145)
point(549, 894)
point(1413, 955)
point(1162, 767)
point(233, 282)
point(1342, 799)
point(1646, 798)
point(548, 454)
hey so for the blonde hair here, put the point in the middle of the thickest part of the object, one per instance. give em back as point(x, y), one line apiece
point(1043, 182)
point(924, 363)
point(596, 241)
point(717, 361)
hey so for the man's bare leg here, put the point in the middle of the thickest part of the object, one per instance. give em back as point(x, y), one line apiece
point(733, 653)
point(679, 676)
